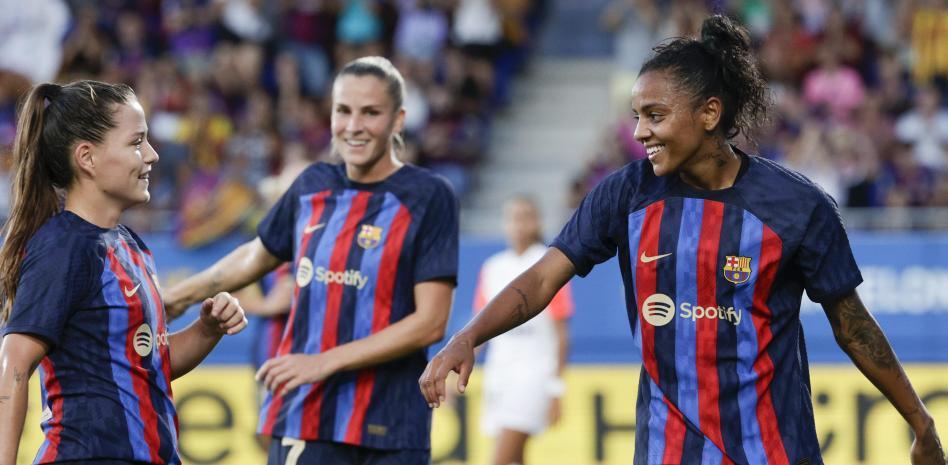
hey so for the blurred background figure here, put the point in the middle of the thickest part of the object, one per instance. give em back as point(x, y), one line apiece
point(523, 372)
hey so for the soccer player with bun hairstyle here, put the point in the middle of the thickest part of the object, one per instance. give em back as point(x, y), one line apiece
point(373, 248)
point(80, 291)
point(715, 249)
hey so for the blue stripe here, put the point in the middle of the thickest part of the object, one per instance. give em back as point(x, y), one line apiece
point(292, 406)
point(118, 332)
point(150, 312)
point(711, 455)
point(686, 365)
point(751, 237)
point(365, 308)
point(636, 221)
point(658, 417)
point(316, 304)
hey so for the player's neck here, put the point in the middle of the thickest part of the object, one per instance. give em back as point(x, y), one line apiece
point(99, 213)
point(713, 168)
point(377, 172)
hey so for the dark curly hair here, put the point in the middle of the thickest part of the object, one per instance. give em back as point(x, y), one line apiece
point(721, 65)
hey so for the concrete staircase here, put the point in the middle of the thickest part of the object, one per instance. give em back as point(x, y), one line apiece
point(541, 141)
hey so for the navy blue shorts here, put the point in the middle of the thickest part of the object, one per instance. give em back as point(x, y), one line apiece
point(295, 452)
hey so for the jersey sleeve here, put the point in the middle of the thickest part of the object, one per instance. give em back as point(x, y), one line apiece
point(825, 257)
point(589, 238)
point(561, 307)
point(56, 278)
point(276, 229)
point(480, 293)
point(437, 247)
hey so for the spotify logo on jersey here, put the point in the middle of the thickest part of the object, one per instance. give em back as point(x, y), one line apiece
point(143, 340)
point(658, 309)
point(304, 272)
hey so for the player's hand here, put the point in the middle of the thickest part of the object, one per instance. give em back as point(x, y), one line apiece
point(926, 449)
point(222, 314)
point(283, 374)
point(457, 356)
point(555, 412)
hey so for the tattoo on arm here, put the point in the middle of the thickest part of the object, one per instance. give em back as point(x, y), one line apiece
point(859, 334)
point(17, 376)
point(4, 399)
point(521, 311)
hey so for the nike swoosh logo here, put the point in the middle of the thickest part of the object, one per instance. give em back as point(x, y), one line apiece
point(310, 229)
point(647, 259)
point(129, 293)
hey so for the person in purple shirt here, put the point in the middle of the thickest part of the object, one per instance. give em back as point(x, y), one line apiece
point(715, 248)
point(80, 291)
point(373, 249)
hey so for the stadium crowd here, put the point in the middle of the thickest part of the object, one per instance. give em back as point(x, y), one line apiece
point(858, 89)
point(236, 90)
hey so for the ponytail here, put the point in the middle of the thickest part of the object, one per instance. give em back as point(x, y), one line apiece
point(34, 199)
point(52, 118)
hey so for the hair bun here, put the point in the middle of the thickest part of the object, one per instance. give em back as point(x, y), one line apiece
point(722, 36)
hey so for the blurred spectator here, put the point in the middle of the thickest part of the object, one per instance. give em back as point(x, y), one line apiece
point(632, 23)
point(925, 128)
point(833, 87)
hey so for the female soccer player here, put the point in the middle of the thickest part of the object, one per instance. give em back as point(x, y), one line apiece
point(715, 249)
point(80, 290)
point(374, 247)
point(522, 384)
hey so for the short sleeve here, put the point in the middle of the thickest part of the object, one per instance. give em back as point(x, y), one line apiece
point(437, 238)
point(561, 307)
point(588, 238)
point(56, 278)
point(825, 257)
point(480, 293)
point(276, 229)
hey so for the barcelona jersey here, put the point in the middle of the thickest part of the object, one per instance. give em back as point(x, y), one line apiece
point(713, 285)
point(357, 251)
point(92, 295)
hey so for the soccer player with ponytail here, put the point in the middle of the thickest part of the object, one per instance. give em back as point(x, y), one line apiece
point(80, 294)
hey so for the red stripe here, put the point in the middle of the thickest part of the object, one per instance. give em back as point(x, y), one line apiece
point(318, 203)
point(54, 396)
point(646, 282)
point(312, 405)
point(707, 328)
point(674, 434)
point(138, 373)
point(381, 315)
point(164, 349)
point(770, 251)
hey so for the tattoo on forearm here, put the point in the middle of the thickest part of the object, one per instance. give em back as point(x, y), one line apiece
point(858, 333)
point(17, 376)
point(521, 310)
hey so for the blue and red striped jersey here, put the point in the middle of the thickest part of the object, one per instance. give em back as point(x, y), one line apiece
point(269, 331)
point(357, 252)
point(92, 295)
point(713, 283)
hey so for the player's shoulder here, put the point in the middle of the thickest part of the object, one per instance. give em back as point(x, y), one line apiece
point(771, 179)
point(65, 230)
point(425, 181)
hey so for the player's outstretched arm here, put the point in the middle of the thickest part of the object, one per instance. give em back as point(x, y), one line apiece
point(859, 335)
point(418, 330)
point(522, 299)
point(19, 355)
point(220, 316)
point(244, 265)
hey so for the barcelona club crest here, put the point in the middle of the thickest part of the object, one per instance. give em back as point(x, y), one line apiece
point(737, 269)
point(369, 236)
